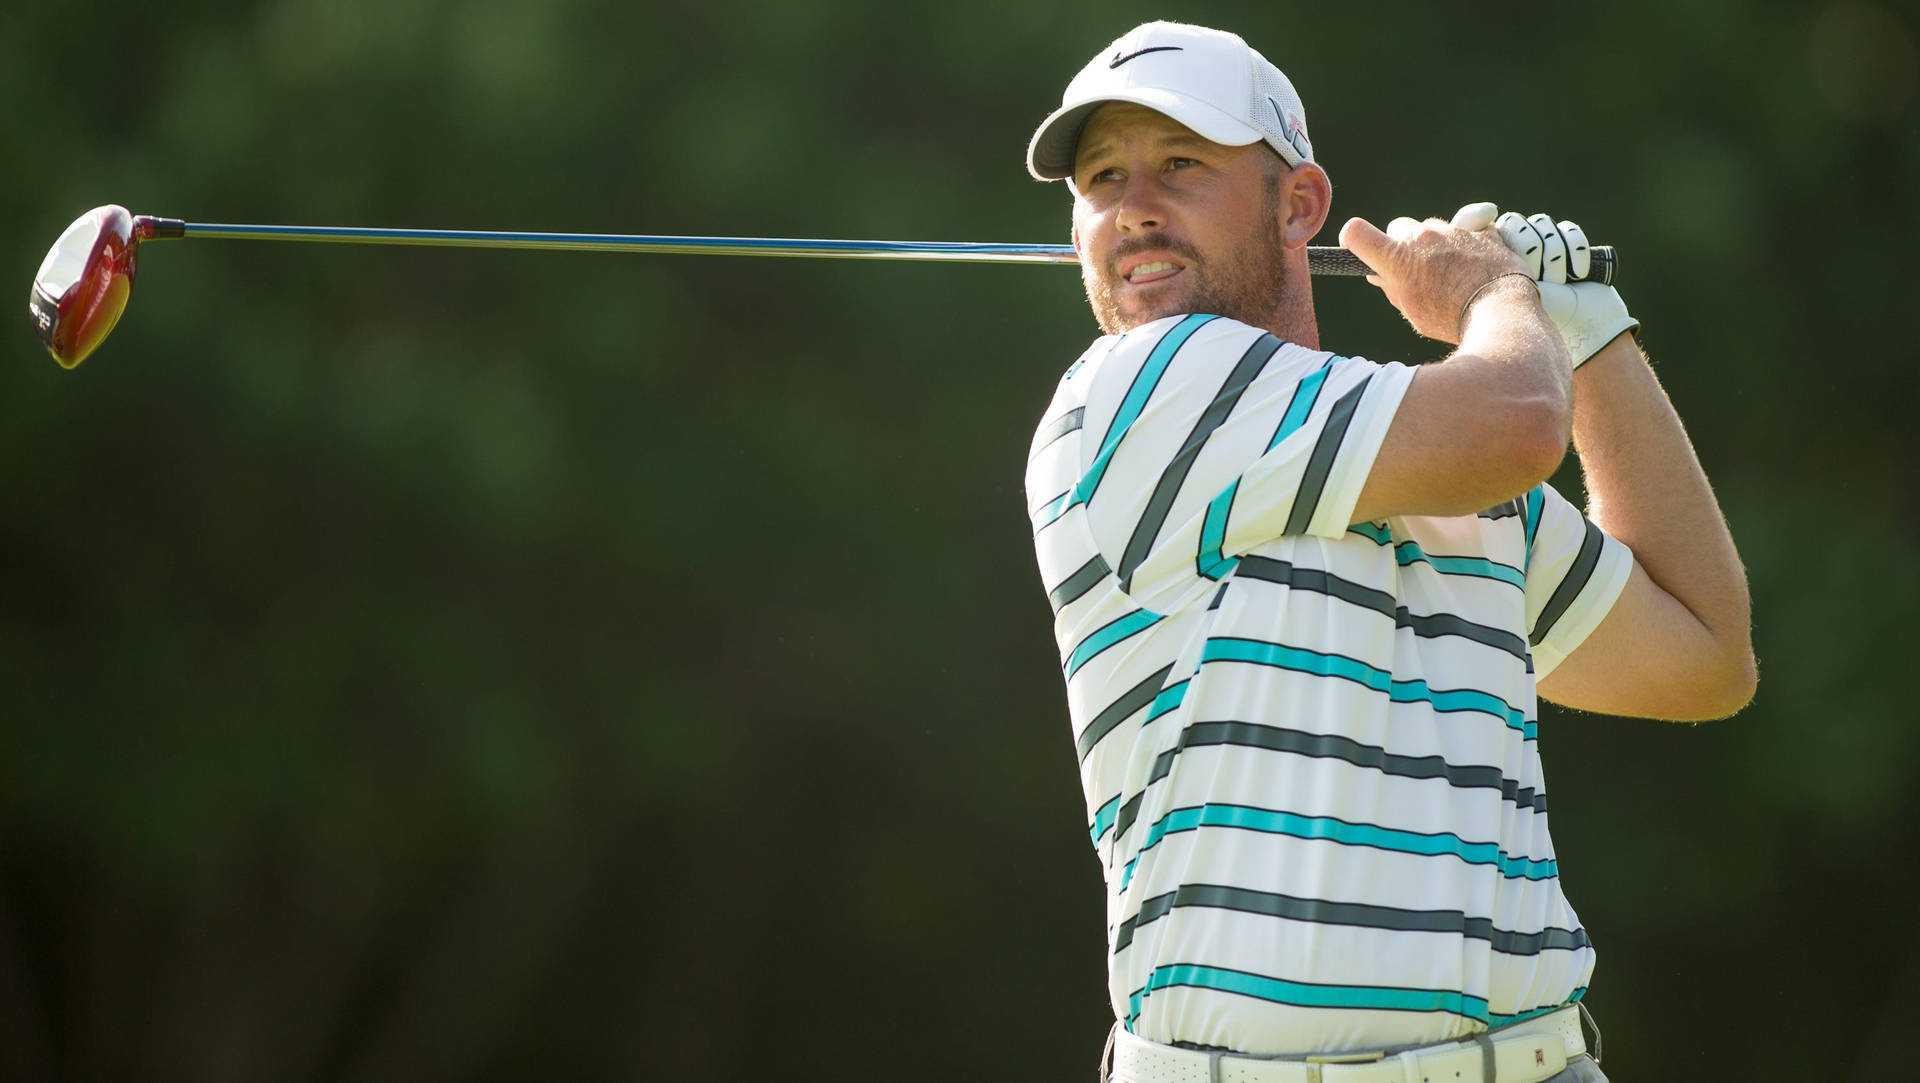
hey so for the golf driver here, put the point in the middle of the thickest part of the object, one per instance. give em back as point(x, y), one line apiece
point(83, 284)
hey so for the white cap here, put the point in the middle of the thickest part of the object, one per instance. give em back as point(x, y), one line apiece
point(1209, 80)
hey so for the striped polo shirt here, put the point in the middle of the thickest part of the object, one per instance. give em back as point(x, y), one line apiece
point(1308, 746)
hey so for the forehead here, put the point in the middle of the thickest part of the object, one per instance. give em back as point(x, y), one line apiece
point(1124, 123)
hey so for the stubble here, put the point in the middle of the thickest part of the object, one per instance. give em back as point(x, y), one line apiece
point(1249, 283)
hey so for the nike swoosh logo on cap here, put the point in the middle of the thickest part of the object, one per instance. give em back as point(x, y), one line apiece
point(1119, 60)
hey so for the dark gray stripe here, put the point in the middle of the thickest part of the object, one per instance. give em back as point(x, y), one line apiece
point(1446, 624)
point(1164, 492)
point(1572, 585)
point(1130, 701)
point(1077, 584)
point(1323, 912)
point(1502, 511)
point(1320, 464)
point(1328, 746)
point(1061, 426)
point(1331, 746)
point(1130, 811)
point(1268, 570)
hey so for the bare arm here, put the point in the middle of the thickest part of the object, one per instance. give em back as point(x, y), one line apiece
point(1677, 643)
point(1489, 422)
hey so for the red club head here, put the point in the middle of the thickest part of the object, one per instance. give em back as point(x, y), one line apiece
point(83, 284)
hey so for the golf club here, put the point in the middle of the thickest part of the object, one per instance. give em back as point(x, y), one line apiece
point(83, 284)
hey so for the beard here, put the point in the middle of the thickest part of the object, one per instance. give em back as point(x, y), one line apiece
point(1247, 283)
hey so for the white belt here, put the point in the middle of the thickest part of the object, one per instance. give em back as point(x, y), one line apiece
point(1522, 1053)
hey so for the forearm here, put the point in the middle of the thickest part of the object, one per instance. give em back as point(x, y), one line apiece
point(1645, 486)
point(1486, 424)
point(1510, 339)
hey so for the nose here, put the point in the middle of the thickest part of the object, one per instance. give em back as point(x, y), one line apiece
point(1143, 206)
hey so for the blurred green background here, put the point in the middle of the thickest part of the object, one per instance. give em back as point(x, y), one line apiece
point(496, 665)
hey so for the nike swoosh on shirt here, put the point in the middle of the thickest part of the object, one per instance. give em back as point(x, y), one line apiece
point(1119, 60)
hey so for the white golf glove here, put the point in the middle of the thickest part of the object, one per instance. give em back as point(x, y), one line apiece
point(1588, 314)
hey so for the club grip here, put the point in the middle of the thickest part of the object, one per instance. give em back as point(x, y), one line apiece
point(1605, 263)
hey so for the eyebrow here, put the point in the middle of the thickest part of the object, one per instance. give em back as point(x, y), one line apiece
point(1170, 140)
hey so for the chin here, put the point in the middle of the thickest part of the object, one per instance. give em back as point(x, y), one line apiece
point(1123, 310)
point(1135, 311)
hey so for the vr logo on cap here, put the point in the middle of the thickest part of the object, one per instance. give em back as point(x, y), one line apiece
point(1293, 129)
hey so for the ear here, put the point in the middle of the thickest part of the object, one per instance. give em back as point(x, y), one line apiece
point(1076, 239)
point(1306, 198)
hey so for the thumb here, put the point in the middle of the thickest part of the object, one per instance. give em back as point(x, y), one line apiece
point(1365, 240)
point(1475, 216)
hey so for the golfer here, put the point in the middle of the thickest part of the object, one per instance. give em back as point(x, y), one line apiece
point(1305, 602)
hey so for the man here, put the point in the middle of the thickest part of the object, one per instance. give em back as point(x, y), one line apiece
point(1303, 601)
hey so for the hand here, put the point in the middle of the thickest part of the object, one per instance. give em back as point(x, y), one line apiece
point(1589, 315)
point(1430, 270)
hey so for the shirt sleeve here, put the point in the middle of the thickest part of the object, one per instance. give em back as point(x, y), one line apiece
point(1574, 571)
point(1228, 440)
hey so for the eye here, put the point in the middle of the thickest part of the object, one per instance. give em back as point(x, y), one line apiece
point(1181, 163)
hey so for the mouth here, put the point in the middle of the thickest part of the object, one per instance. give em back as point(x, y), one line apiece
point(1151, 271)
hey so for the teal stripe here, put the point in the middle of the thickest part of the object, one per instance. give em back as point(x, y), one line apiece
point(1304, 994)
point(1465, 699)
point(1295, 658)
point(1536, 499)
point(1272, 822)
point(1136, 400)
point(1347, 834)
point(1103, 819)
point(1219, 569)
point(1303, 399)
point(1496, 1019)
point(1410, 552)
point(1133, 623)
point(1213, 534)
point(1301, 660)
point(1380, 535)
point(1168, 699)
point(1213, 531)
point(1053, 510)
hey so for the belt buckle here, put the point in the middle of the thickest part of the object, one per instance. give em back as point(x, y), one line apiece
point(1346, 1058)
point(1319, 1060)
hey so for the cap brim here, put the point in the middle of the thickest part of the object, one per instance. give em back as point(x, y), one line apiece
point(1050, 154)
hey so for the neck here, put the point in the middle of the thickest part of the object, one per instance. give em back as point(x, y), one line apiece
point(1293, 319)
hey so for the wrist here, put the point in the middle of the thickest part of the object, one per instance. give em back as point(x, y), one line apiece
point(1510, 285)
point(1624, 349)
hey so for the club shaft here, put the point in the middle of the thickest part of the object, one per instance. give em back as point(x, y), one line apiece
point(1320, 261)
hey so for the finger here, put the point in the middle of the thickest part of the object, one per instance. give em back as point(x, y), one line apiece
point(1579, 255)
point(1365, 240)
point(1475, 216)
point(1516, 233)
point(1553, 250)
point(1401, 229)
